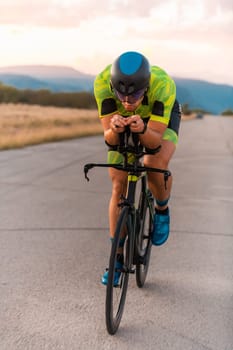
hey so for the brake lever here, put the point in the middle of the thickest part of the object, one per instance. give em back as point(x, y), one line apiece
point(86, 168)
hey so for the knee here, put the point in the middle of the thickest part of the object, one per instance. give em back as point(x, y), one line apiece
point(118, 187)
point(157, 162)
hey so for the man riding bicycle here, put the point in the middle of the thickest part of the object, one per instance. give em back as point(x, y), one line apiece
point(131, 93)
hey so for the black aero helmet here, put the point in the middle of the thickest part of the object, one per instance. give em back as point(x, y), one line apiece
point(130, 73)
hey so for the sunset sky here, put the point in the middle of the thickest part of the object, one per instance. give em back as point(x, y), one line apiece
point(192, 39)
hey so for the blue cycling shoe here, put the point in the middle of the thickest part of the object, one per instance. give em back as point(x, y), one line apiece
point(117, 275)
point(161, 229)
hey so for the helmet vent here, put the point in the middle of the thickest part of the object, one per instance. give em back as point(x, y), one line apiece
point(131, 89)
point(122, 87)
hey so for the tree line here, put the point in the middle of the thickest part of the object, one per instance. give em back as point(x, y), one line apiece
point(44, 97)
point(187, 111)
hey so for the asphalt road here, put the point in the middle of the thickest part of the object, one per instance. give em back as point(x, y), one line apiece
point(54, 248)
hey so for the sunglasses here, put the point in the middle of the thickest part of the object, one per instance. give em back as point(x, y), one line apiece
point(132, 98)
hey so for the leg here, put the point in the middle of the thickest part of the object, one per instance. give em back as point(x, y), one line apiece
point(162, 159)
point(160, 193)
point(119, 182)
point(156, 180)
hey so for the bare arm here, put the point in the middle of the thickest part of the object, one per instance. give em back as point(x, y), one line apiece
point(113, 125)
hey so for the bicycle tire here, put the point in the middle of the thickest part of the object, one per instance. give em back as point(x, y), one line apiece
point(143, 237)
point(115, 296)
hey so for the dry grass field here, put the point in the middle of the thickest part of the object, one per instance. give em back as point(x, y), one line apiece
point(22, 125)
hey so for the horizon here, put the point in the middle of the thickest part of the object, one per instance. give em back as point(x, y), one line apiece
point(188, 40)
point(93, 75)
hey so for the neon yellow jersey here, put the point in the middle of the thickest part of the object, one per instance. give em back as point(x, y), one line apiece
point(156, 104)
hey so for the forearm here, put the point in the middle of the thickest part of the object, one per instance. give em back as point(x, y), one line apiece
point(113, 125)
point(151, 138)
point(111, 137)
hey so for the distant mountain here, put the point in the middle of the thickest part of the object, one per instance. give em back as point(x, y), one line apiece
point(213, 98)
point(198, 94)
point(54, 78)
point(43, 71)
point(23, 81)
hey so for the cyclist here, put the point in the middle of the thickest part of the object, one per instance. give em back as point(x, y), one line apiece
point(131, 92)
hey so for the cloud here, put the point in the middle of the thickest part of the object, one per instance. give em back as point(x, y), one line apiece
point(70, 13)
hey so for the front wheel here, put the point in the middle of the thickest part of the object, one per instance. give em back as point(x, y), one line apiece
point(115, 295)
point(143, 239)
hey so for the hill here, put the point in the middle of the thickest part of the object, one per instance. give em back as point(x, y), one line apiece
point(213, 98)
point(54, 78)
point(198, 94)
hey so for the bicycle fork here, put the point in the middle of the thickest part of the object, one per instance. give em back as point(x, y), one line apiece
point(129, 243)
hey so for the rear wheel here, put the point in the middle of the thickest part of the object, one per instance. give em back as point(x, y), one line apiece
point(143, 238)
point(115, 295)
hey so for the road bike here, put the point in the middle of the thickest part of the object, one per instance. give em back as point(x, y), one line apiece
point(134, 226)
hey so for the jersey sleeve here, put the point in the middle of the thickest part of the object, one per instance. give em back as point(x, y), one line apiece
point(105, 100)
point(163, 100)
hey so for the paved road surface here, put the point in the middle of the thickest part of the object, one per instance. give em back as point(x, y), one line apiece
point(54, 248)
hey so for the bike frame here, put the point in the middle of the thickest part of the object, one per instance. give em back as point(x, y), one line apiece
point(129, 201)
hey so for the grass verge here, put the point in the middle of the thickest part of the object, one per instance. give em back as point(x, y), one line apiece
point(23, 125)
